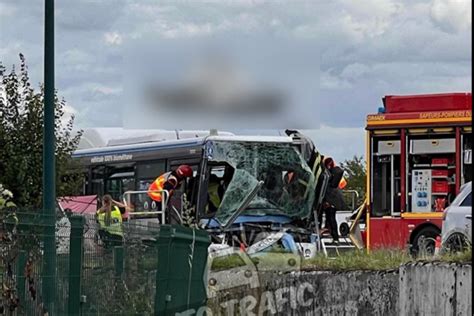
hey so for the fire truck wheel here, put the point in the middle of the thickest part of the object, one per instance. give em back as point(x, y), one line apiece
point(424, 241)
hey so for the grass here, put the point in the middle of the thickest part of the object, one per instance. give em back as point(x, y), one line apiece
point(227, 262)
point(458, 257)
point(376, 260)
point(359, 260)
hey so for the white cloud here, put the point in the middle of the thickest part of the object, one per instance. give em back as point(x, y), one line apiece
point(188, 30)
point(6, 9)
point(369, 48)
point(333, 82)
point(113, 38)
point(369, 18)
point(107, 90)
point(452, 15)
point(340, 143)
point(355, 71)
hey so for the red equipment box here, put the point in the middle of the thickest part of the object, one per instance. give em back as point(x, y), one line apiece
point(440, 161)
point(440, 173)
point(428, 102)
point(439, 186)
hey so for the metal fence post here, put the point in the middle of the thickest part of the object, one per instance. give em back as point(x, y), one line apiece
point(20, 277)
point(49, 167)
point(118, 261)
point(76, 243)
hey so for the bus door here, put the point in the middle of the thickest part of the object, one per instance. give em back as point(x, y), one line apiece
point(120, 178)
point(118, 183)
point(145, 173)
point(185, 193)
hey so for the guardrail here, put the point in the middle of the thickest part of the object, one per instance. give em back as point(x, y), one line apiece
point(353, 197)
point(131, 210)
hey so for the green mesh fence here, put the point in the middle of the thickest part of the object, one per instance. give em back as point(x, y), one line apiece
point(113, 279)
point(120, 278)
point(96, 275)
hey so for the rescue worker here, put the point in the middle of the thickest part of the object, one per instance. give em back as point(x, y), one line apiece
point(292, 186)
point(333, 200)
point(169, 181)
point(217, 188)
point(109, 217)
point(337, 173)
point(214, 191)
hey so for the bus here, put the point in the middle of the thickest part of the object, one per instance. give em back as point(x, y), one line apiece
point(244, 161)
point(419, 153)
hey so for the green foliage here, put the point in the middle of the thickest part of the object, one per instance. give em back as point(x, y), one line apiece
point(21, 139)
point(6, 199)
point(189, 212)
point(356, 172)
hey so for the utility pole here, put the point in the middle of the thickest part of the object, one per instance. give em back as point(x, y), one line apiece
point(49, 164)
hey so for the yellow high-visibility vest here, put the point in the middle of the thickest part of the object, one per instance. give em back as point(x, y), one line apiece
point(115, 225)
point(342, 183)
point(213, 191)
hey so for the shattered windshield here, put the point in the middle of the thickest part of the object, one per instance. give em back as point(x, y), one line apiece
point(288, 183)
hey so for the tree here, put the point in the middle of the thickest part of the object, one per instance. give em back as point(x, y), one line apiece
point(355, 170)
point(21, 139)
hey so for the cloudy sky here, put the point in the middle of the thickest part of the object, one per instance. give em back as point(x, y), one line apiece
point(367, 48)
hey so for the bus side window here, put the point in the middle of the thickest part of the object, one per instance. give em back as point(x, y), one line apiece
point(147, 172)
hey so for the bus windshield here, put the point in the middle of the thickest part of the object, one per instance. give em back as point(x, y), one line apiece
point(288, 184)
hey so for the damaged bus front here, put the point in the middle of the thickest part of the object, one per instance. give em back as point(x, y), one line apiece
point(265, 193)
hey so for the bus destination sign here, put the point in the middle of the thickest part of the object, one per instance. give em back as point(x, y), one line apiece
point(111, 158)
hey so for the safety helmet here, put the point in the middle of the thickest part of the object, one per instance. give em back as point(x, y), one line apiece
point(328, 162)
point(184, 171)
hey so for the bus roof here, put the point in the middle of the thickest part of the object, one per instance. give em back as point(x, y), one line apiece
point(99, 137)
point(150, 146)
point(180, 143)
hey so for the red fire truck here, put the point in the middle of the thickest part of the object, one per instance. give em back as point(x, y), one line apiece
point(419, 153)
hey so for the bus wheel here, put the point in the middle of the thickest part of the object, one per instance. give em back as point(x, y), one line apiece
point(424, 241)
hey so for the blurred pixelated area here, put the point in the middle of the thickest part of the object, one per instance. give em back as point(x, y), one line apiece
point(249, 82)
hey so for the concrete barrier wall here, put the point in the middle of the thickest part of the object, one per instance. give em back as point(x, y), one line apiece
point(414, 289)
point(435, 289)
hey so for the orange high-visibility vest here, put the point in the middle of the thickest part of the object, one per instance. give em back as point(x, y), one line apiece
point(157, 186)
point(342, 183)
